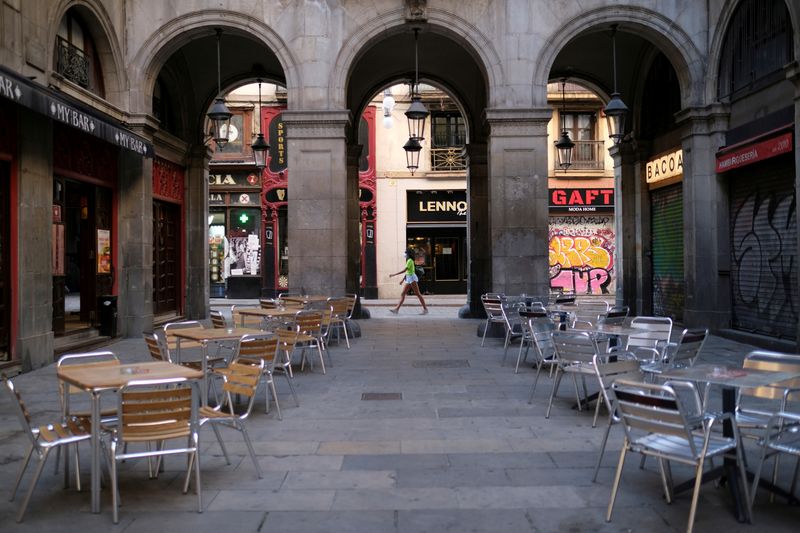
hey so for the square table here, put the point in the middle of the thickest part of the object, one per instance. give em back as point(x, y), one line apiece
point(203, 336)
point(306, 299)
point(278, 312)
point(729, 378)
point(96, 379)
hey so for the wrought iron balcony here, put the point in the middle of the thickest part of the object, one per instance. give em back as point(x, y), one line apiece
point(73, 63)
point(450, 159)
point(587, 155)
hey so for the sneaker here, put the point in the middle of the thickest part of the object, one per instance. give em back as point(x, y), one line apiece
point(393, 311)
point(424, 312)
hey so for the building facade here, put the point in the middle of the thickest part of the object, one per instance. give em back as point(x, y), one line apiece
point(104, 165)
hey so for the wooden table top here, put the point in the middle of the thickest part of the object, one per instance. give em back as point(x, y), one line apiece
point(91, 377)
point(214, 334)
point(258, 311)
point(308, 298)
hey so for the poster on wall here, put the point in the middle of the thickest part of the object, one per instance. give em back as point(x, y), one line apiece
point(103, 251)
point(58, 249)
point(582, 254)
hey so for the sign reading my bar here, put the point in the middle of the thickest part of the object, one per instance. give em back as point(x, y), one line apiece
point(754, 152)
point(45, 101)
point(582, 200)
point(437, 206)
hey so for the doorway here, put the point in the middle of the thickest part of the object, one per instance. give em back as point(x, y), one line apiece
point(166, 259)
point(5, 275)
point(441, 252)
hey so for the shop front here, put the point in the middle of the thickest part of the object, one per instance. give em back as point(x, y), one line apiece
point(582, 240)
point(437, 231)
point(168, 236)
point(664, 176)
point(763, 226)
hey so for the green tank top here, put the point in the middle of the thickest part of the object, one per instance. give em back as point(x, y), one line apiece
point(410, 268)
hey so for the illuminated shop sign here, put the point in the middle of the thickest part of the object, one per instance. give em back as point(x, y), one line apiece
point(731, 158)
point(664, 167)
point(437, 206)
point(582, 200)
point(234, 179)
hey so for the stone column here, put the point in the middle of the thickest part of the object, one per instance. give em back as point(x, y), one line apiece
point(196, 246)
point(34, 294)
point(518, 207)
point(317, 225)
point(632, 227)
point(706, 238)
point(352, 281)
point(478, 251)
point(135, 260)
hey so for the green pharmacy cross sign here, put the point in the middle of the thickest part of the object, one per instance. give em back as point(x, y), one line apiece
point(243, 218)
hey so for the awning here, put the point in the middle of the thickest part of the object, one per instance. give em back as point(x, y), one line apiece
point(69, 111)
point(765, 146)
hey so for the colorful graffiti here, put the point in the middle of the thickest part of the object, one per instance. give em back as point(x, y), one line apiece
point(582, 254)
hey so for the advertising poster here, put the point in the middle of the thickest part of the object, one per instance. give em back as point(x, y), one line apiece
point(58, 249)
point(103, 251)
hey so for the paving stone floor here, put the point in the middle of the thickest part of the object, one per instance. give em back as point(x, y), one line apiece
point(462, 451)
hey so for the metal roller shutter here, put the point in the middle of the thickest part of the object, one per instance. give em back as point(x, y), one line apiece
point(764, 248)
point(666, 211)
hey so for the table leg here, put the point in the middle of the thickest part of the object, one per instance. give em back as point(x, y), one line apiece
point(95, 451)
point(204, 363)
point(729, 463)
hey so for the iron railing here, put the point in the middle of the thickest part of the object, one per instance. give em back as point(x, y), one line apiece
point(448, 159)
point(73, 63)
point(587, 155)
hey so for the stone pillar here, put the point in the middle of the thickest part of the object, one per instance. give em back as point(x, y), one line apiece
point(34, 343)
point(793, 75)
point(135, 215)
point(317, 225)
point(518, 206)
point(478, 251)
point(706, 238)
point(196, 246)
point(352, 281)
point(632, 227)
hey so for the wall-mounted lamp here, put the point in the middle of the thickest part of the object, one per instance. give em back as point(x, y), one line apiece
point(564, 145)
point(260, 146)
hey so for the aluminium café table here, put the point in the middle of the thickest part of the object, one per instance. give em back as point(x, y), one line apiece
point(266, 313)
point(730, 378)
point(203, 336)
point(96, 379)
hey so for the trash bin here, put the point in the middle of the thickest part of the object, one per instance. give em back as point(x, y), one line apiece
point(107, 315)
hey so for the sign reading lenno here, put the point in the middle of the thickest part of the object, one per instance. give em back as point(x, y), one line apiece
point(666, 166)
point(437, 206)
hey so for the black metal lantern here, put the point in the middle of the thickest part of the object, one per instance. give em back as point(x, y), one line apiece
point(412, 148)
point(564, 145)
point(416, 114)
point(615, 110)
point(219, 114)
point(260, 146)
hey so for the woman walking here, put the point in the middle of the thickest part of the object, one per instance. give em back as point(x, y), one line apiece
point(410, 281)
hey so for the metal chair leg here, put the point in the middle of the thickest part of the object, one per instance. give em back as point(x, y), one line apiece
point(602, 449)
point(617, 477)
point(485, 329)
point(291, 389)
point(21, 473)
point(556, 382)
point(39, 468)
point(271, 384)
point(221, 444)
point(698, 480)
point(250, 449)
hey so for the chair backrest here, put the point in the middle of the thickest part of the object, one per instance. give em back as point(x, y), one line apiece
point(615, 316)
point(255, 348)
point(156, 347)
point(574, 347)
point(22, 412)
point(269, 303)
point(688, 348)
point(156, 409)
point(776, 362)
point(492, 304)
point(218, 319)
point(242, 379)
point(608, 372)
point(309, 322)
point(352, 300)
point(657, 331)
point(339, 307)
point(591, 310)
point(669, 409)
point(247, 321)
point(172, 341)
point(565, 299)
point(542, 330)
point(511, 316)
point(287, 338)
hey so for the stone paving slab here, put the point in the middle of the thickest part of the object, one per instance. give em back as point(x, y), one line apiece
point(462, 451)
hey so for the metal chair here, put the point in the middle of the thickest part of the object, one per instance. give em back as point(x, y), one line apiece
point(155, 411)
point(492, 304)
point(310, 335)
point(43, 439)
point(513, 325)
point(686, 351)
point(667, 422)
point(218, 321)
point(339, 312)
point(651, 345)
point(352, 302)
point(242, 380)
point(542, 330)
point(781, 436)
point(575, 356)
point(246, 321)
point(608, 372)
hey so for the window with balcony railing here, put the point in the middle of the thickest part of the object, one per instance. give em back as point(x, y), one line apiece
point(448, 136)
point(588, 154)
point(73, 63)
point(76, 55)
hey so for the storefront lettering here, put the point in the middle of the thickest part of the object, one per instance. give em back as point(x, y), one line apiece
point(221, 179)
point(216, 198)
point(582, 200)
point(666, 166)
point(431, 206)
point(131, 143)
point(8, 89)
point(72, 117)
point(752, 153)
